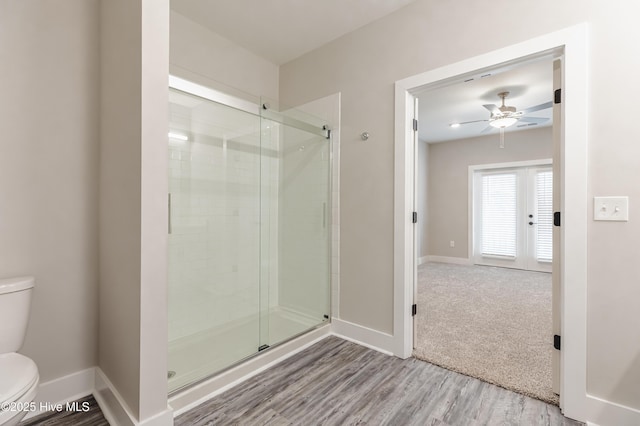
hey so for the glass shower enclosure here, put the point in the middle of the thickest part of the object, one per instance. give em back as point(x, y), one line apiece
point(248, 230)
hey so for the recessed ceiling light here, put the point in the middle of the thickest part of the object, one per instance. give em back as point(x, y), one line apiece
point(454, 125)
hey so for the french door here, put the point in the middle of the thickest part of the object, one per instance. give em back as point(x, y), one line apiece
point(513, 217)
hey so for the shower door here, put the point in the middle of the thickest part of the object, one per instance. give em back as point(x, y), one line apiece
point(248, 233)
point(214, 237)
point(295, 245)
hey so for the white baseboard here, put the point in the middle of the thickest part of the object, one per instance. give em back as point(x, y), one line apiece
point(423, 259)
point(64, 389)
point(448, 259)
point(196, 395)
point(111, 403)
point(603, 412)
point(372, 339)
point(116, 411)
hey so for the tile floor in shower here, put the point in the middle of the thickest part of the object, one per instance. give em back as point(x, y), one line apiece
point(195, 357)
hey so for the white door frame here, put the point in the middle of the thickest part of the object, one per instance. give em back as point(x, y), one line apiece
point(572, 44)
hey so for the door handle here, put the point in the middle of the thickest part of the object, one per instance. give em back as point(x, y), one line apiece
point(169, 227)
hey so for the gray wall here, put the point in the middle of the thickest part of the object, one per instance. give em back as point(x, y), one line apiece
point(133, 191)
point(448, 170)
point(364, 65)
point(48, 174)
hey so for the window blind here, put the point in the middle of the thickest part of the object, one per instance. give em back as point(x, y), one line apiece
point(544, 214)
point(499, 208)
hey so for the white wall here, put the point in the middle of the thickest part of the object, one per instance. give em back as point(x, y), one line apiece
point(48, 174)
point(204, 57)
point(448, 181)
point(364, 65)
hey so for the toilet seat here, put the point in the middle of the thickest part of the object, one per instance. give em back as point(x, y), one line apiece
point(18, 374)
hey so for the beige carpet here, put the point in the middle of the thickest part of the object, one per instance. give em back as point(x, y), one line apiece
point(489, 323)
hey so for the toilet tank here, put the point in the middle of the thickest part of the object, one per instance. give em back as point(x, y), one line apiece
point(15, 301)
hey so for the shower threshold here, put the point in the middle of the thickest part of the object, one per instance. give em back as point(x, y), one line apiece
point(209, 353)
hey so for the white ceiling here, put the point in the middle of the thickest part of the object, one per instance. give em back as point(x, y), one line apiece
point(282, 30)
point(529, 85)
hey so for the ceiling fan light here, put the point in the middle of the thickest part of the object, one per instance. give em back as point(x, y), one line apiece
point(502, 122)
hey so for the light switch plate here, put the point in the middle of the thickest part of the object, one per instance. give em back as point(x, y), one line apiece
point(611, 208)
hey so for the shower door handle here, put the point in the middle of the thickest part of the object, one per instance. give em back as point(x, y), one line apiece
point(169, 214)
point(324, 215)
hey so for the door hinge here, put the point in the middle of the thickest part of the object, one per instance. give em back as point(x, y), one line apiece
point(556, 218)
point(557, 96)
point(414, 310)
point(556, 341)
point(414, 218)
point(415, 125)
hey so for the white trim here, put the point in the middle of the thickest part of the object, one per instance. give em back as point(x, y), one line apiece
point(423, 259)
point(196, 395)
point(364, 336)
point(449, 259)
point(573, 43)
point(511, 164)
point(113, 407)
point(403, 261)
point(116, 411)
point(601, 411)
point(64, 389)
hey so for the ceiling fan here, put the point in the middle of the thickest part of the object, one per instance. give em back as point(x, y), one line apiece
point(506, 116)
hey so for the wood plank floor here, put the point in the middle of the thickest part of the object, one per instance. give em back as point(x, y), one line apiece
point(92, 417)
point(336, 382)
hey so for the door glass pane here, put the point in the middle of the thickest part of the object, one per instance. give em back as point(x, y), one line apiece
point(499, 214)
point(544, 215)
point(295, 175)
point(214, 237)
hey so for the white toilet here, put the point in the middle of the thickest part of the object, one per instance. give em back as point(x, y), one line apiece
point(18, 374)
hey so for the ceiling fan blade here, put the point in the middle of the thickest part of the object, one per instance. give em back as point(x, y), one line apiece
point(487, 129)
point(493, 109)
point(538, 107)
point(527, 125)
point(533, 119)
point(474, 121)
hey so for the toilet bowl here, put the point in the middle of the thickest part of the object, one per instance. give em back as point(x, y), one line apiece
point(19, 377)
point(18, 385)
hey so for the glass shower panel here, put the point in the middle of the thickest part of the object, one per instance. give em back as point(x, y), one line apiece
point(295, 245)
point(214, 237)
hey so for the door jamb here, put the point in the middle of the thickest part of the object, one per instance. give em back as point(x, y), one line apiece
point(572, 42)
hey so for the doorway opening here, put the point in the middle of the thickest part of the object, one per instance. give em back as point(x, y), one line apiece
point(485, 192)
point(568, 45)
